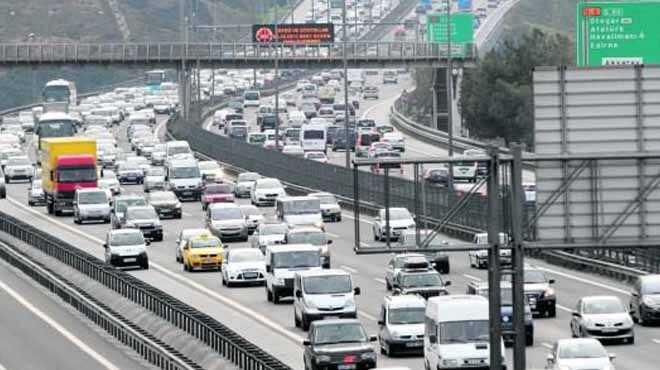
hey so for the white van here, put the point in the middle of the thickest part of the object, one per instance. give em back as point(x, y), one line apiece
point(457, 332)
point(175, 148)
point(251, 98)
point(321, 294)
point(185, 179)
point(282, 263)
point(313, 138)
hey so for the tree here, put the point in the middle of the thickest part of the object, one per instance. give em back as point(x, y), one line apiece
point(496, 99)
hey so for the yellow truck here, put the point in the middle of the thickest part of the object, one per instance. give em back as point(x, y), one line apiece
point(67, 164)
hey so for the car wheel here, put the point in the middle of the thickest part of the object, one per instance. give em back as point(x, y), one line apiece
point(529, 340)
point(185, 266)
point(640, 317)
point(145, 265)
point(296, 321)
point(7, 179)
point(304, 322)
point(269, 294)
point(228, 283)
point(276, 297)
point(388, 286)
point(552, 312)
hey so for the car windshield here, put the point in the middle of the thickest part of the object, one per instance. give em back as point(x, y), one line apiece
point(226, 214)
point(163, 196)
point(421, 280)
point(300, 206)
point(208, 165)
point(156, 171)
point(89, 197)
point(407, 315)
point(534, 277)
point(257, 138)
point(327, 199)
point(603, 306)
point(76, 175)
point(245, 255)
point(582, 349)
point(122, 204)
point(248, 177)
point(123, 238)
point(313, 134)
point(218, 189)
point(327, 284)
point(296, 259)
point(273, 229)
point(398, 214)
point(17, 161)
point(141, 214)
point(339, 333)
point(205, 243)
point(185, 172)
point(315, 155)
point(651, 286)
point(269, 184)
point(311, 237)
point(463, 331)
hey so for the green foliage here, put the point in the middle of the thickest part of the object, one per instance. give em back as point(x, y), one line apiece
point(496, 98)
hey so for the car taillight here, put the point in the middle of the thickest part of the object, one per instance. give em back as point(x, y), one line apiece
point(349, 359)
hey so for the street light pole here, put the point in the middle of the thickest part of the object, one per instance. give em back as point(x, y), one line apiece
point(450, 127)
point(346, 110)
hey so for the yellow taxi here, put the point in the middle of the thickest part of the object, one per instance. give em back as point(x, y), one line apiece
point(203, 252)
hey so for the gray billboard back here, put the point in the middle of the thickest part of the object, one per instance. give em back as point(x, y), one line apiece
point(598, 110)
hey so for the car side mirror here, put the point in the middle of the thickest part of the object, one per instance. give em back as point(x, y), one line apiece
point(268, 269)
point(433, 339)
point(381, 322)
point(373, 338)
point(611, 356)
point(105, 245)
point(550, 359)
point(298, 293)
point(147, 242)
point(185, 247)
point(447, 283)
point(357, 291)
point(307, 342)
point(551, 281)
point(329, 241)
point(634, 293)
point(576, 314)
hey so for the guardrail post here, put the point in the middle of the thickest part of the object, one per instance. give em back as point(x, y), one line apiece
point(386, 201)
point(356, 202)
point(494, 262)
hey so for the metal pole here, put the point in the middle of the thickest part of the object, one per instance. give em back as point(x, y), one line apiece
point(328, 13)
point(277, 86)
point(416, 201)
point(386, 193)
point(293, 8)
point(356, 205)
point(518, 260)
point(494, 263)
point(424, 210)
point(313, 11)
point(450, 123)
point(346, 110)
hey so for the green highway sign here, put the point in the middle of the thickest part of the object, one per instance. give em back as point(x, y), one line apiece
point(462, 26)
point(618, 33)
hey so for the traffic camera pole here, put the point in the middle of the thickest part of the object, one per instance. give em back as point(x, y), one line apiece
point(346, 111)
point(520, 340)
point(494, 271)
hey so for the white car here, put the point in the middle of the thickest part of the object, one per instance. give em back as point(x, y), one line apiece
point(126, 247)
point(268, 234)
point(18, 168)
point(581, 353)
point(243, 266)
point(604, 318)
point(400, 220)
point(266, 191)
point(396, 141)
point(316, 156)
point(293, 150)
point(211, 171)
point(253, 216)
point(405, 260)
point(330, 209)
point(244, 183)
point(91, 204)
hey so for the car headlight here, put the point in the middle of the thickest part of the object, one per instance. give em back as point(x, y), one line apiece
point(177, 205)
point(130, 224)
point(648, 301)
point(449, 362)
point(310, 303)
point(369, 356)
point(549, 293)
point(351, 305)
point(156, 222)
point(322, 358)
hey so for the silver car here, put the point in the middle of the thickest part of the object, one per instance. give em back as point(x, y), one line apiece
point(226, 221)
point(91, 204)
point(154, 179)
point(36, 195)
point(244, 183)
point(18, 168)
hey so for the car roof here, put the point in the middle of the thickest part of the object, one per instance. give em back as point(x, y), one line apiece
point(223, 205)
point(292, 248)
point(405, 300)
point(324, 272)
point(124, 231)
point(335, 322)
point(89, 190)
point(599, 297)
point(133, 208)
point(304, 229)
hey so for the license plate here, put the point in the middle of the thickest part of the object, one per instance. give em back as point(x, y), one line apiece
point(250, 275)
point(130, 259)
point(187, 193)
point(132, 178)
point(610, 330)
point(208, 260)
point(347, 367)
point(473, 362)
point(414, 344)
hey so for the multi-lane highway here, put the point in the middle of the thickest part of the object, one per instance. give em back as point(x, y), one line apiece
point(38, 332)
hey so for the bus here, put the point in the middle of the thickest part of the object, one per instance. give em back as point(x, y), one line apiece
point(155, 78)
point(53, 124)
point(60, 92)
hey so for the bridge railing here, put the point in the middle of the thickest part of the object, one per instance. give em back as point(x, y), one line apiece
point(167, 52)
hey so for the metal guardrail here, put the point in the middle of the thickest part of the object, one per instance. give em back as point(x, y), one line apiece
point(581, 263)
point(356, 52)
point(206, 329)
point(146, 345)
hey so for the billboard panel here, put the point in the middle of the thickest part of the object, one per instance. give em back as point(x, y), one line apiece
point(597, 110)
point(462, 30)
point(294, 33)
point(617, 33)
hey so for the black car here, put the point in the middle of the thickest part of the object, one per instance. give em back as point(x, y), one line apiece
point(145, 219)
point(165, 203)
point(119, 205)
point(340, 140)
point(339, 344)
point(423, 282)
point(237, 106)
point(645, 299)
point(268, 121)
point(541, 296)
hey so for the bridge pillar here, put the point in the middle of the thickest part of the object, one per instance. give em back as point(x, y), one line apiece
point(440, 106)
point(184, 80)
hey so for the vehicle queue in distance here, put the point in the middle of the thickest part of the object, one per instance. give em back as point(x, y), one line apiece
point(289, 252)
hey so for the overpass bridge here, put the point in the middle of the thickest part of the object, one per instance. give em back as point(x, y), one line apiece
point(358, 54)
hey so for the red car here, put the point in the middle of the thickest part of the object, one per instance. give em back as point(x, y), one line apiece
point(217, 193)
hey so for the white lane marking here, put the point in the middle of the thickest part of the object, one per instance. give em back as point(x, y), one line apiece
point(186, 214)
point(349, 269)
point(656, 341)
point(368, 110)
point(235, 305)
point(59, 328)
point(367, 316)
point(379, 280)
point(333, 234)
point(563, 308)
point(353, 218)
point(472, 277)
point(363, 244)
point(583, 280)
point(547, 345)
point(2, 367)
